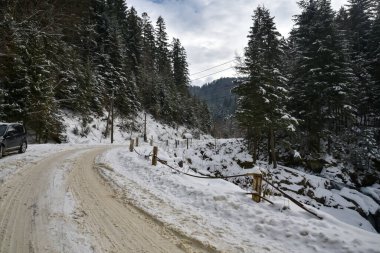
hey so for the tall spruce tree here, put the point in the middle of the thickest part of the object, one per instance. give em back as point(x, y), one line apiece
point(149, 73)
point(164, 70)
point(180, 67)
point(322, 79)
point(360, 13)
point(13, 68)
point(181, 81)
point(262, 94)
point(123, 62)
point(375, 63)
point(134, 43)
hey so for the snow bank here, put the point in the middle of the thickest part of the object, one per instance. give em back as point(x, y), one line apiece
point(220, 214)
point(15, 162)
point(93, 129)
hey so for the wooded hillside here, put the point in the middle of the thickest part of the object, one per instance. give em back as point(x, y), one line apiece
point(82, 54)
point(315, 94)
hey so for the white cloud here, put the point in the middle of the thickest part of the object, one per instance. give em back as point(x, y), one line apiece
point(214, 31)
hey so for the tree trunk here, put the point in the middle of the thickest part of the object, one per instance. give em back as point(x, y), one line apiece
point(329, 145)
point(272, 147)
point(107, 124)
point(269, 144)
point(255, 146)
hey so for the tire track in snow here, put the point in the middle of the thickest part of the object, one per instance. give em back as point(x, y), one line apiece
point(23, 221)
point(118, 227)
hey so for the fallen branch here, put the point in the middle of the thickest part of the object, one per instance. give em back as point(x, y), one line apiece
point(293, 199)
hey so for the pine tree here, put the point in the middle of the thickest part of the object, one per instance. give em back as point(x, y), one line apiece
point(122, 50)
point(133, 38)
point(181, 81)
point(149, 73)
point(14, 70)
point(41, 105)
point(164, 70)
point(375, 63)
point(343, 30)
point(162, 50)
point(261, 106)
point(180, 67)
point(360, 13)
point(322, 80)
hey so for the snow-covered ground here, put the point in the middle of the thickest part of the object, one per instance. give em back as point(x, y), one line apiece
point(15, 162)
point(216, 212)
point(220, 214)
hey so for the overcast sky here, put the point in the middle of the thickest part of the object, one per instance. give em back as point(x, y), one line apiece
point(214, 32)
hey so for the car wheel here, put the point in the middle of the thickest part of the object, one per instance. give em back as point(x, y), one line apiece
point(23, 147)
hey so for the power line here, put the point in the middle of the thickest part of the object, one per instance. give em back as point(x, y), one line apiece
point(212, 74)
point(212, 68)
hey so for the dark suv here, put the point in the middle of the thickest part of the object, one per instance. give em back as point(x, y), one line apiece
point(12, 138)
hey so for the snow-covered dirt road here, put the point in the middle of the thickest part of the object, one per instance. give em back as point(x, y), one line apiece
point(60, 204)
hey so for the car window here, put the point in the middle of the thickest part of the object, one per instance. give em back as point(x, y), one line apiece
point(12, 130)
point(19, 129)
point(3, 128)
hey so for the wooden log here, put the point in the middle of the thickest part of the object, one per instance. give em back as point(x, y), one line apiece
point(293, 200)
point(137, 141)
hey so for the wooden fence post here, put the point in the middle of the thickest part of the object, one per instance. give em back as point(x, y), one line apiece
point(151, 141)
point(167, 142)
point(176, 144)
point(256, 186)
point(131, 145)
point(137, 141)
point(187, 143)
point(154, 157)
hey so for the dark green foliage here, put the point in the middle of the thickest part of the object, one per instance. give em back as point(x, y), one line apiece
point(375, 62)
point(218, 96)
point(148, 68)
point(222, 105)
point(329, 70)
point(359, 19)
point(80, 55)
point(263, 88)
point(165, 83)
point(332, 78)
point(180, 66)
point(322, 79)
point(134, 46)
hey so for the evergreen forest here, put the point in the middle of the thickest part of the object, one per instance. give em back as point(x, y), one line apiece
point(83, 56)
point(303, 100)
point(314, 96)
point(222, 105)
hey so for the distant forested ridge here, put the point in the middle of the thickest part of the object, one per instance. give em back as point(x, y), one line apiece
point(79, 54)
point(313, 99)
point(222, 104)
